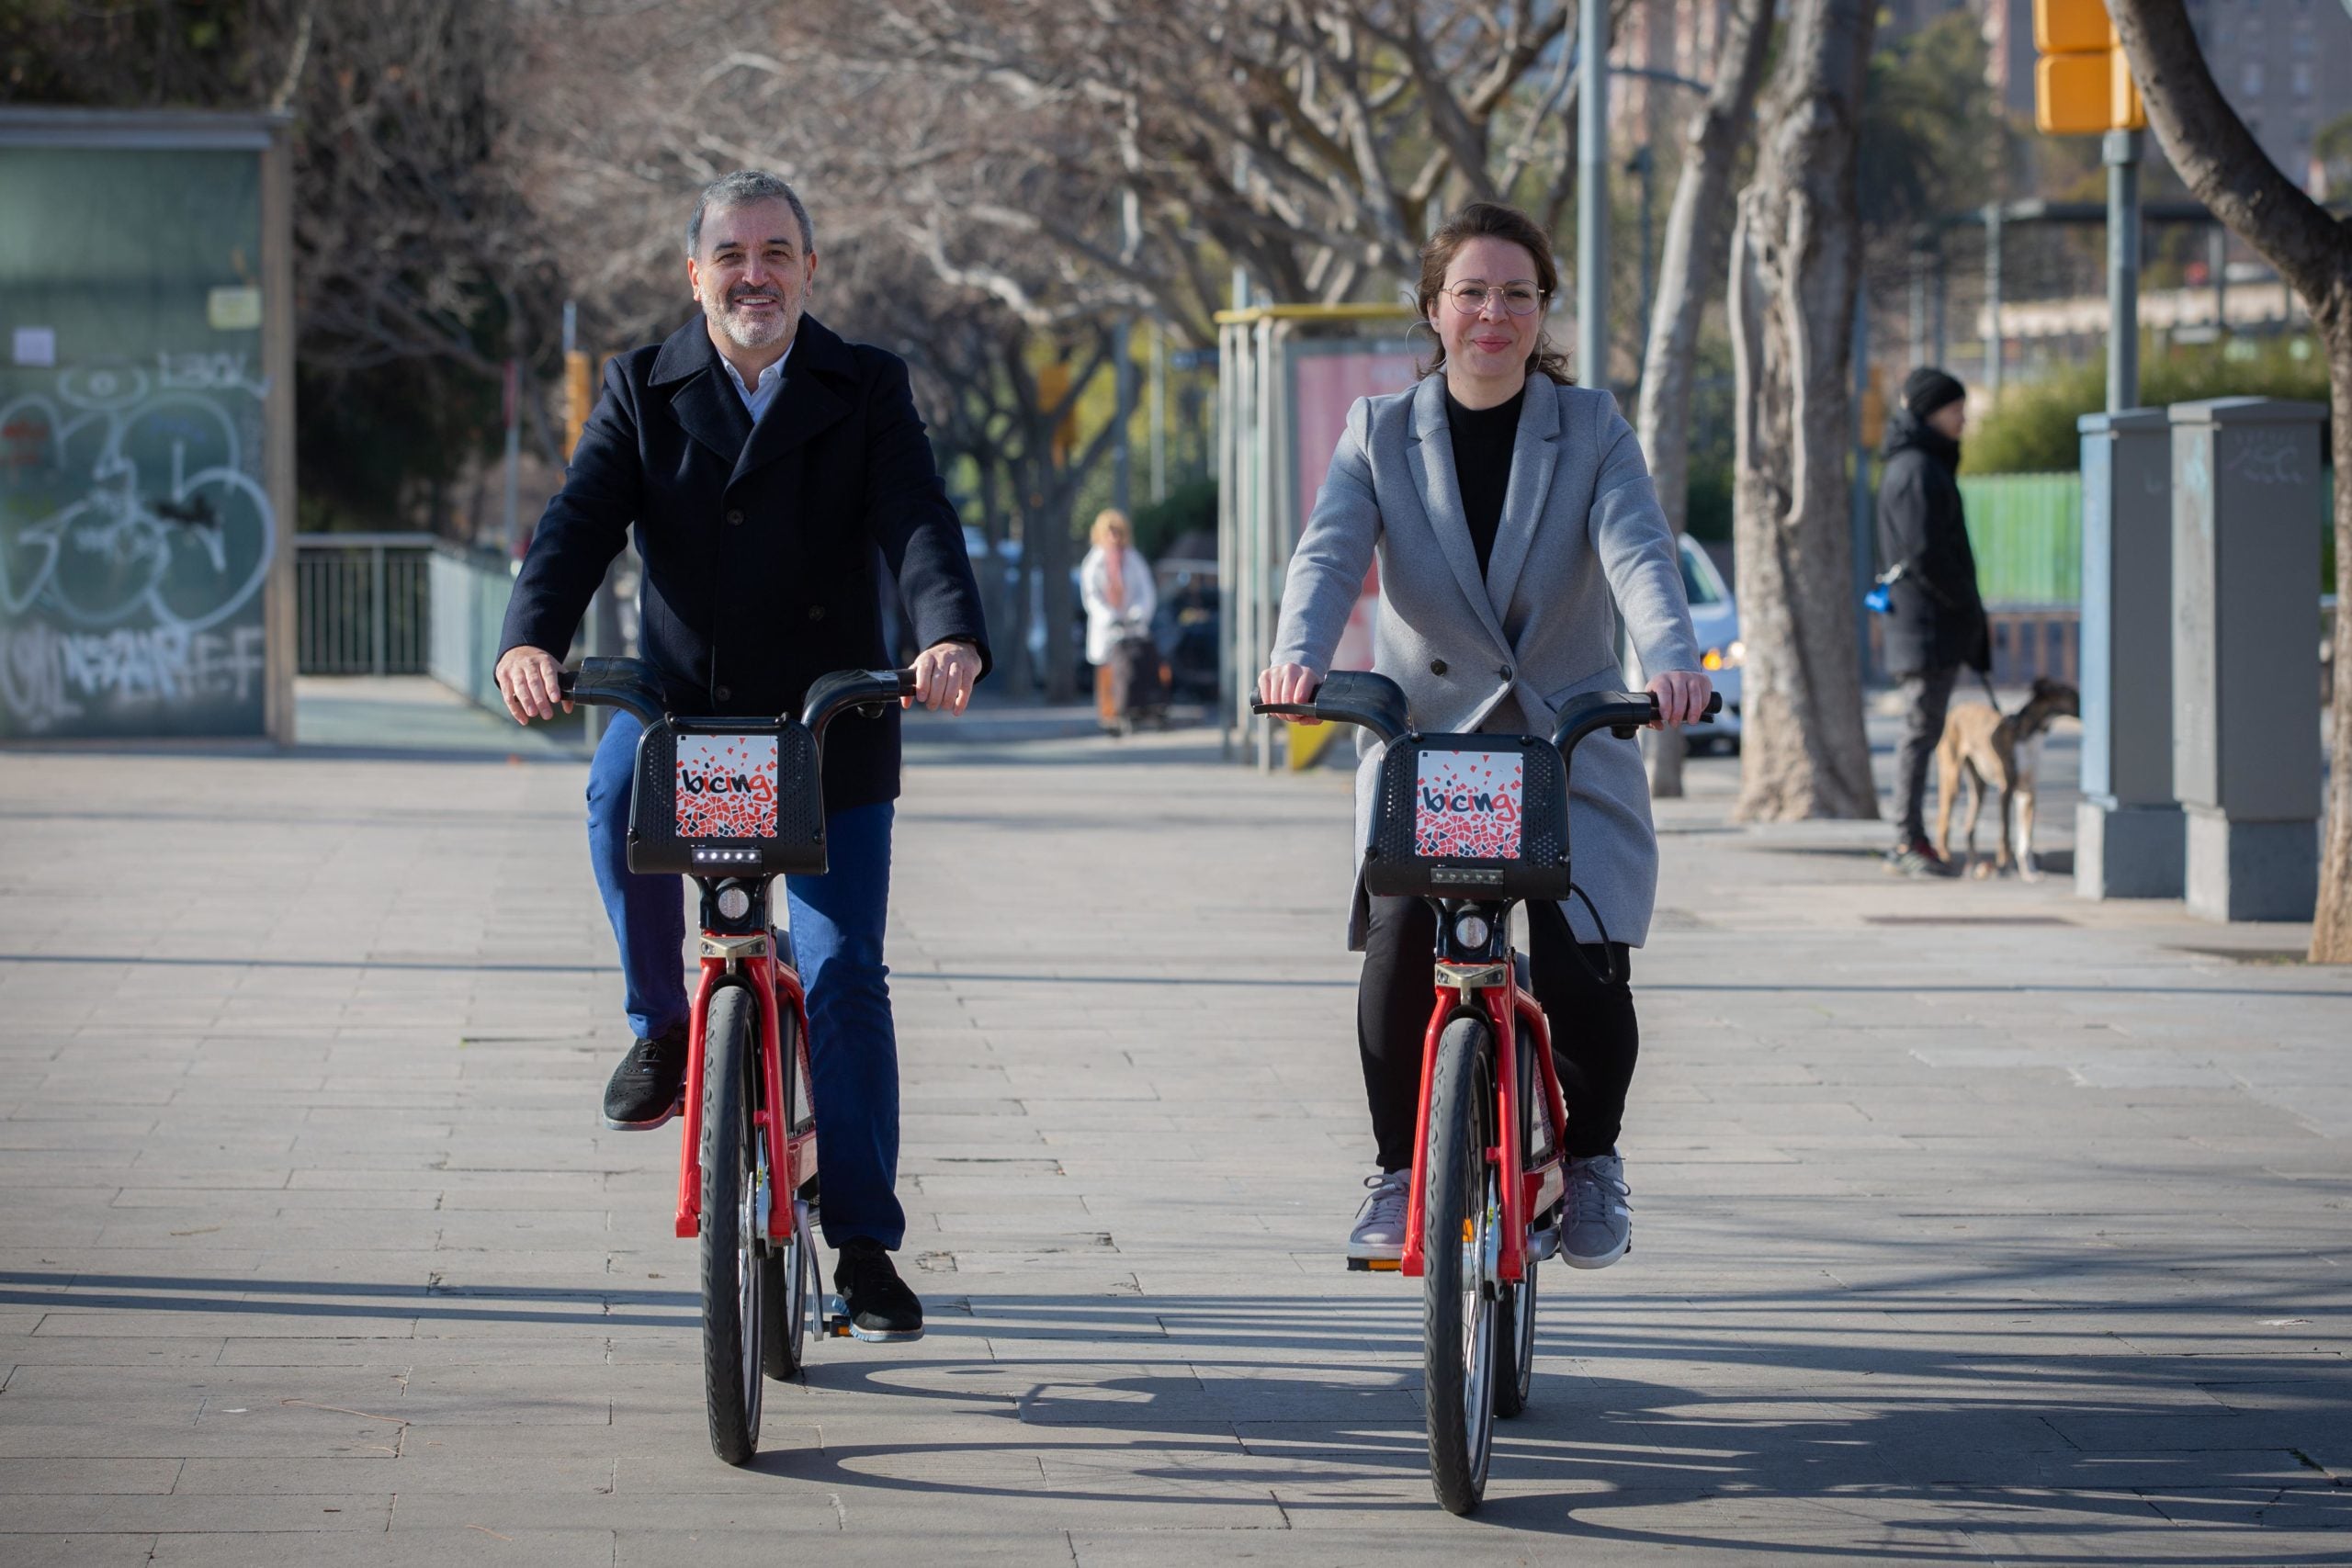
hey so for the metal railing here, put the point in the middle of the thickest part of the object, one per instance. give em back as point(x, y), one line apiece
point(362, 604)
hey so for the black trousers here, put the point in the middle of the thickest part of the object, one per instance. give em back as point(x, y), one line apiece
point(1927, 694)
point(1595, 1037)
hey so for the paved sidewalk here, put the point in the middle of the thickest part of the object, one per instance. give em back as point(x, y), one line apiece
point(1975, 1225)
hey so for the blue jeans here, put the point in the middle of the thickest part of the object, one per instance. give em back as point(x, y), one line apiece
point(836, 921)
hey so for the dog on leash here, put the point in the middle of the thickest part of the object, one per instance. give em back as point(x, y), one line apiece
point(1990, 748)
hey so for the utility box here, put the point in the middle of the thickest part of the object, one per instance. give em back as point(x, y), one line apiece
point(2247, 491)
point(2129, 831)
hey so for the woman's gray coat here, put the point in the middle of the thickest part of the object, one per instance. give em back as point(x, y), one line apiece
point(1581, 524)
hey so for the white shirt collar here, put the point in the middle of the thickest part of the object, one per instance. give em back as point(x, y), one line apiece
point(757, 398)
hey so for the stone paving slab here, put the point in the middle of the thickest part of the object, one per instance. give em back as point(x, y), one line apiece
point(1974, 1223)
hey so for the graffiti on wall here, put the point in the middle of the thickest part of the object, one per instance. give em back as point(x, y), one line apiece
point(135, 536)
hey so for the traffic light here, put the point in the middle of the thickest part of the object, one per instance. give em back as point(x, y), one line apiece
point(2082, 84)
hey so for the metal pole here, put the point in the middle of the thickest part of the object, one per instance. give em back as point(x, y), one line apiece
point(1943, 351)
point(2121, 154)
point(1158, 412)
point(1992, 344)
point(376, 607)
point(2217, 260)
point(1918, 304)
point(1592, 194)
point(1645, 167)
point(513, 460)
point(1122, 380)
point(1863, 572)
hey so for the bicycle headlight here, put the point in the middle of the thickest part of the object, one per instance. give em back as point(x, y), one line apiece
point(734, 903)
point(1471, 931)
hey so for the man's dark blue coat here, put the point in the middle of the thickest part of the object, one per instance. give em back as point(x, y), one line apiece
point(762, 546)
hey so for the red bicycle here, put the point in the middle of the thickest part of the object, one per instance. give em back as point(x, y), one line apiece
point(1476, 824)
point(734, 803)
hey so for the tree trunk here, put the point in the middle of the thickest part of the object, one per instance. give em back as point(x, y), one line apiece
point(1687, 271)
point(1796, 259)
point(2225, 167)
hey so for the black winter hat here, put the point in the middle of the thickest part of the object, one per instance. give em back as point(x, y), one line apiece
point(1927, 388)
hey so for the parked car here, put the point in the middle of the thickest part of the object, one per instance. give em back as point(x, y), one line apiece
point(1715, 617)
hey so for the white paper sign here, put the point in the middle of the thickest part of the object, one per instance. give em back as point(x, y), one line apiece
point(35, 346)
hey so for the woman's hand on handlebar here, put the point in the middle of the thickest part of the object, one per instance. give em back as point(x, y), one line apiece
point(526, 679)
point(1292, 683)
point(1682, 697)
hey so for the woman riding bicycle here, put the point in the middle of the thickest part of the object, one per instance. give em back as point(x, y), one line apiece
point(1509, 509)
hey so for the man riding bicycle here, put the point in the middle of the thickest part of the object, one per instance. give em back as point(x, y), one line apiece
point(780, 484)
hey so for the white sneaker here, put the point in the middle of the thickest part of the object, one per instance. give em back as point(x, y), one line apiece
point(1598, 1227)
point(1379, 1236)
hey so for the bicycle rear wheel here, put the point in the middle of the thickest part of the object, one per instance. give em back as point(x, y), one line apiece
point(1461, 1235)
point(734, 1171)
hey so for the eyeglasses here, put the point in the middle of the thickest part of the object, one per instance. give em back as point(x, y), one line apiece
point(1519, 298)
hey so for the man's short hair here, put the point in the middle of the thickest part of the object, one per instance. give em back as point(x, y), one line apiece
point(742, 187)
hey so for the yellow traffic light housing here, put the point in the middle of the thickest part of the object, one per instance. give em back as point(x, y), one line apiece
point(2082, 84)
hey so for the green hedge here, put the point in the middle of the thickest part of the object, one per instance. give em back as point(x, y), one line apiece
point(2033, 429)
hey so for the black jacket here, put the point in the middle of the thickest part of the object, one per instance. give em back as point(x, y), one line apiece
point(1936, 618)
point(764, 547)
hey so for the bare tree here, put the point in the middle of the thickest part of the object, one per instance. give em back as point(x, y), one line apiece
point(1689, 266)
point(2221, 161)
point(1796, 255)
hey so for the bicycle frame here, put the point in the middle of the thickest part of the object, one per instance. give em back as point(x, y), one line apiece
point(1505, 1007)
point(749, 960)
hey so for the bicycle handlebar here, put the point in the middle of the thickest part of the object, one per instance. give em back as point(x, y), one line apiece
point(1352, 696)
point(628, 685)
point(1359, 696)
point(829, 695)
point(624, 683)
point(1619, 713)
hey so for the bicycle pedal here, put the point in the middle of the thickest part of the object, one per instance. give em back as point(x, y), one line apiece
point(835, 1323)
point(1374, 1265)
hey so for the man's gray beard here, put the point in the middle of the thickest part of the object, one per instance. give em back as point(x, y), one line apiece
point(724, 318)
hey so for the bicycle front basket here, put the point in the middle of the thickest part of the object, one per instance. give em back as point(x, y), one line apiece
point(1469, 817)
point(727, 797)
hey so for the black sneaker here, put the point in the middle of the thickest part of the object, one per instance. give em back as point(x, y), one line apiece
point(1917, 857)
point(880, 1306)
point(649, 1087)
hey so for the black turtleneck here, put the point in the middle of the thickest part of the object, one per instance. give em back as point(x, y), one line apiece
point(1482, 439)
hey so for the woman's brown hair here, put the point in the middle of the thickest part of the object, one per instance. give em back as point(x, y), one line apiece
point(1492, 220)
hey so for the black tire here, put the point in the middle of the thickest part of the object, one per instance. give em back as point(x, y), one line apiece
point(788, 1274)
point(1515, 1345)
point(1515, 1305)
point(1457, 1309)
point(733, 1279)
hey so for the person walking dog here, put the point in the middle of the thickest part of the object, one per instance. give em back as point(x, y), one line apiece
point(1935, 621)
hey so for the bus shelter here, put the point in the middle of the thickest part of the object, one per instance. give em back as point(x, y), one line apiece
point(1287, 377)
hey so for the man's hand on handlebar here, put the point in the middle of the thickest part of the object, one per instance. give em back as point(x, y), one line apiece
point(1292, 683)
point(1682, 697)
point(945, 673)
point(526, 679)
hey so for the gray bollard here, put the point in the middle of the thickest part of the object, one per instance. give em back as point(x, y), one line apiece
point(2129, 831)
point(2247, 500)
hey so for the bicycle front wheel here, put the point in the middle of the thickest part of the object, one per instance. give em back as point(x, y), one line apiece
point(734, 1180)
point(1461, 1239)
point(790, 1266)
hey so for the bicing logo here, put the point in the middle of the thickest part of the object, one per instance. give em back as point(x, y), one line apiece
point(1467, 804)
point(725, 786)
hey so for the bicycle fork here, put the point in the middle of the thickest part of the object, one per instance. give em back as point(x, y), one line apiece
point(1489, 992)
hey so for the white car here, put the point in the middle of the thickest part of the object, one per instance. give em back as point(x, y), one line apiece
point(1715, 617)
